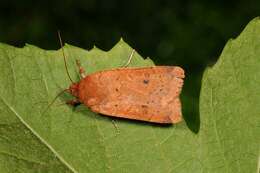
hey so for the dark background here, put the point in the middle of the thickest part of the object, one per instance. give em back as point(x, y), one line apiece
point(191, 34)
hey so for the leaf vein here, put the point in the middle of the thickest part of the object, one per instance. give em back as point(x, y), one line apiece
point(39, 137)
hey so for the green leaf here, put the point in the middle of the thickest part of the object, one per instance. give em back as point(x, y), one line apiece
point(230, 106)
point(64, 139)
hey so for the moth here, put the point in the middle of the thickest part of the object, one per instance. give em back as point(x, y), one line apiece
point(147, 94)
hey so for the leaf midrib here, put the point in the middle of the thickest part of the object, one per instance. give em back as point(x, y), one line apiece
point(39, 137)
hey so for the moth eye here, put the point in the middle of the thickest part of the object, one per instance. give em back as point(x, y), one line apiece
point(116, 89)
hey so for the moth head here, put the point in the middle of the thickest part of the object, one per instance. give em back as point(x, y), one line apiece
point(74, 89)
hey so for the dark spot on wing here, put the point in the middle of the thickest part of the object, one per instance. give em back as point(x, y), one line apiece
point(146, 81)
point(144, 106)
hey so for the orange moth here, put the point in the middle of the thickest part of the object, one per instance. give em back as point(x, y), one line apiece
point(147, 94)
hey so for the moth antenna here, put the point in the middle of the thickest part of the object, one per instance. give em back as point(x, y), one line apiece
point(53, 101)
point(64, 57)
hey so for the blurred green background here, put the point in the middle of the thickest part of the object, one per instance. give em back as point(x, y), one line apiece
point(190, 34)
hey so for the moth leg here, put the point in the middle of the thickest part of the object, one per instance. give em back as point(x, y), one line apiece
point(116, 127)
point(73, 102)
point(129, 58)
point(81, 69)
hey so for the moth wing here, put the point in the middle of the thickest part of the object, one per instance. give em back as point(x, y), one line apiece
point(148, 94)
